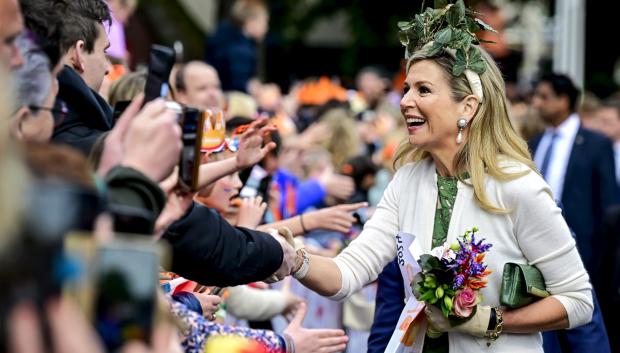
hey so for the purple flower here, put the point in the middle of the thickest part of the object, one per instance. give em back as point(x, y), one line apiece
point(459, 280)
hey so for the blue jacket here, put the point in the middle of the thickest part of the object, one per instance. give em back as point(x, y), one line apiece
point(590, 189)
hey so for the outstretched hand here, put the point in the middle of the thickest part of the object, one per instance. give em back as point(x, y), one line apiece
point(336, 218)
point(314, 340)
point(250, 151)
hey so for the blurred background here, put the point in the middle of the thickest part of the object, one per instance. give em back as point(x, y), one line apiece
point(338, 37)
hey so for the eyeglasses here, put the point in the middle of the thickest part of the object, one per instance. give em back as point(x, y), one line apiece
point(59, 113)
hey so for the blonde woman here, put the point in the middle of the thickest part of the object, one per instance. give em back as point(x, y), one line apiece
point(464, 166)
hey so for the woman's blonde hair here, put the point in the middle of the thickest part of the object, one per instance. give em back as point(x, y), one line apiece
point(127, 87)
point(344, 141)
point(491, 136)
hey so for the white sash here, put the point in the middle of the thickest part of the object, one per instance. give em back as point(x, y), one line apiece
point(408, 336)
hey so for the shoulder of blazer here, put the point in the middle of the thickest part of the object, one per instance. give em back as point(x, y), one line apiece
point(533, 143)
point(592, 139)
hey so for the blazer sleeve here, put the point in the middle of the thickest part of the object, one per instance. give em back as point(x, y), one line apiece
point(545, 240)
point(366, 256)
point(208, 250)
point(388, 306)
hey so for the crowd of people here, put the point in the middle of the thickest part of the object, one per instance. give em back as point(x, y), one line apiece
point(299, 195)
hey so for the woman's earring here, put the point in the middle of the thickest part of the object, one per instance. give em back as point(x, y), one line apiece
point(461, 124)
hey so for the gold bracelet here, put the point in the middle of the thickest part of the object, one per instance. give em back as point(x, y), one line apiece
point(493, 335)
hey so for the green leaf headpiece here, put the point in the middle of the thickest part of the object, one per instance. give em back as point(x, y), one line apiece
point(449, 28)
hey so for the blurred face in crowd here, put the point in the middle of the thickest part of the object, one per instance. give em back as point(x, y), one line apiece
point(36, 123)
point(95, 65)
point(11, 25)
point(552, 108)
point(224, 191)
point(371, 86)
point(607, 121)
point(202, 87)
point(257, 25)
point(429, 108)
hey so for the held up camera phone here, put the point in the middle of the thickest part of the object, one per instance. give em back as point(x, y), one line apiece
point(192, 127)
point(125, 292)
point(161, 60)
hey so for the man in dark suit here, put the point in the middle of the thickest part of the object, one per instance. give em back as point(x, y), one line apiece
point(577, 163)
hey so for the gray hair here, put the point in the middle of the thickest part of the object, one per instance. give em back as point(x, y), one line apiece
point(33, 80)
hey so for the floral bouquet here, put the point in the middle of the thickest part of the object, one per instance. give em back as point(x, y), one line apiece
point(452, 275)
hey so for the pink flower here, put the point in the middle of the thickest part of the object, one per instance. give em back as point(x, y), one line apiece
point(464, 302)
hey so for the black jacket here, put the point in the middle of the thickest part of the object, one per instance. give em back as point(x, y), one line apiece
point(88, 114)
point(208, 250)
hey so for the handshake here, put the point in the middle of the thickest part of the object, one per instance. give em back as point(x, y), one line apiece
point(293, 254)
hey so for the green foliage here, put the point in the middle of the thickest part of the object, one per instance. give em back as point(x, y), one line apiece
point(448, 26)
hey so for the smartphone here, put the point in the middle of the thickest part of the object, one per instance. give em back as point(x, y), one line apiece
point(125, 295)
point(161, 61)
point(192, 126)
point(119, 109)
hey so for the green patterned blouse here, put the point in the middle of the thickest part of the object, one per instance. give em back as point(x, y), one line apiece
point(447, 189)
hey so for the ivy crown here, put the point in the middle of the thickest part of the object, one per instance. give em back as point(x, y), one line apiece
point(448, 26)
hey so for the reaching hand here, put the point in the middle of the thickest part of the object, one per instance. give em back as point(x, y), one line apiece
point(251, 212)
point(250, 142)
point(209, 304)
point(476, 326)
point(336, 218)
point(152, 144)
point(314, 340)
point(339, 186)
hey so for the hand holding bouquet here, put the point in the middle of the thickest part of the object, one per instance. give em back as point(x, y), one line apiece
point(451, 279)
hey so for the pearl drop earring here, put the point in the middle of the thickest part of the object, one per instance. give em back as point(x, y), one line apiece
point(461, 124)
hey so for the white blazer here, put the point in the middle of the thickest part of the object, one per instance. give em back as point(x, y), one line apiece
point(533, 233)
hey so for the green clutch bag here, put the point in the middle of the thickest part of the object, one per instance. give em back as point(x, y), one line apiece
point(521, 285)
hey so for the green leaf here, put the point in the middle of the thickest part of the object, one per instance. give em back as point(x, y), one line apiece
point(461, 58)
point(435, 49)
point(428, 263)
point(456, 13)
point(405, 25)
point(478, 66)
point(403, 38)
point(444, 36)
point(472, 25)
point(439, 4)
point(484, 25)
point(473, 55)
point(457, 69)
